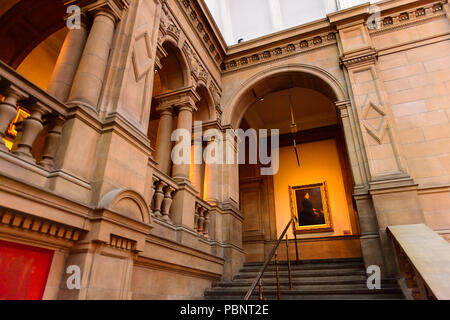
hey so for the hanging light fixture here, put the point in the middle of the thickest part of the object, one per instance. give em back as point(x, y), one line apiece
point(294, 128)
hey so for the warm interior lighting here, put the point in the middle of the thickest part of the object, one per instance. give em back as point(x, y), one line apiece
point(11, 132)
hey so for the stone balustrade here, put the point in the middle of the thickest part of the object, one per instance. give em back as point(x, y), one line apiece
point(423, 258)
point(163, 191)
point(47, 116)
point(202, 219)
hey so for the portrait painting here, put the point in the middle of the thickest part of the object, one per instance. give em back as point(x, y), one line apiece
point(309, 205)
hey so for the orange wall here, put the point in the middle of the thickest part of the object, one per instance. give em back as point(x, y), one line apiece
point(39, 64)
point(319, 163)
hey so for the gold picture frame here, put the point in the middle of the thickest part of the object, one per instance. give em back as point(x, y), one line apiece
point(309, 204)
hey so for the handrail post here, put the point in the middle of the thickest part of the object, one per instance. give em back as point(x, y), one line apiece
point(296, 245)
point(278, 277)
point(289, 263)
point(261, 298)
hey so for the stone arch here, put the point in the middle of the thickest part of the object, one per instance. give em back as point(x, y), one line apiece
point(206, 109)
point(175, 52)
point(303, 75)
point(25, 25)
point(128, 203)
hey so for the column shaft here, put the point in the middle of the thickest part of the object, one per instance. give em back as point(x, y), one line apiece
point(67, 63)
point(181, 171)
point(163, 141)
point(211, 186)
point(88, 81)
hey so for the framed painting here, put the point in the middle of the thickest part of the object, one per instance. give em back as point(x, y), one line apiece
point(309, 204)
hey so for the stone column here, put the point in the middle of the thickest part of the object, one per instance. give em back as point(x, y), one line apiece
point(183, 207)
point(163, 142)
point(88, 81)
point(67, 63)
point(181, 171)
point(8, 111)
point(211, 188)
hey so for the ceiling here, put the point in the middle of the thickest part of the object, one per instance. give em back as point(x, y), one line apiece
point(312, 109)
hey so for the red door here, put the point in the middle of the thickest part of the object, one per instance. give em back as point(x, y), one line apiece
point(23, 271)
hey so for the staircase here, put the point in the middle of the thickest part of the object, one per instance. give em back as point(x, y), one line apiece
point(312, 280)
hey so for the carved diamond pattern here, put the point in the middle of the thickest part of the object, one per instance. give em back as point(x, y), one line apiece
point(376, 132)
point(142, 57)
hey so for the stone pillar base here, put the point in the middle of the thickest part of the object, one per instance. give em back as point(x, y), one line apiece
point(183, 206)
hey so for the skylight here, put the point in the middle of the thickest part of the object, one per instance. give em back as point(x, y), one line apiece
point(243, 20)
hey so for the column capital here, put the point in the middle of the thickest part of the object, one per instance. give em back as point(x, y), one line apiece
point(181, 99)
point(343, 107)
point(360, 58)
point(113, 8)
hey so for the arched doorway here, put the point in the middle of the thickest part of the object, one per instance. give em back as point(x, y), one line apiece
point(266, 202)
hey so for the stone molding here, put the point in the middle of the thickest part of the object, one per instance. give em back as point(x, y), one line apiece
point(29, 223)
point(365, 57)
point(409, 17)
point(275, 53)
point(194, 15)
point(169, 30)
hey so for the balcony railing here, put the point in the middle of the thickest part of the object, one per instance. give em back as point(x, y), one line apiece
point(38, 136)
point(202, 219)
point(164, 189)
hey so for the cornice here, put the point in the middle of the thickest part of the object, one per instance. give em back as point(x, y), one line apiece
point(196, 16)
point(274, 53)
point(39, 225)
point(409, 17)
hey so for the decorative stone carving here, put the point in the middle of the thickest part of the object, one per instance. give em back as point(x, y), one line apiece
point(376, 132)
point(142, 57)
point(409, 17)
point(191, 12)
point(277, 52)
point(38, 225)
point(198, 70)
point(168, 25)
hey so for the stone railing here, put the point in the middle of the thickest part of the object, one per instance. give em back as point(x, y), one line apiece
point(423, 259)
point(202, 219)
point(47, 116)
point(163, 191)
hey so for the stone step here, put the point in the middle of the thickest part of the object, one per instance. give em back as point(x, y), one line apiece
point(312, 280)
point(303, 281)
point(306, 266)
point(298, 289)
point(304, 273)
point(352, 296)
point(306, 290)
point(315, 262)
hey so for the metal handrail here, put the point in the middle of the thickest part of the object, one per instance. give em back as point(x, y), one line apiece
point(269, 258)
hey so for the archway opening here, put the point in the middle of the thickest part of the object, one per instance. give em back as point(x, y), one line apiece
point(171, 75)
point(320, 186)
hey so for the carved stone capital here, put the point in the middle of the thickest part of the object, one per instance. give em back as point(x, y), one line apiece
point(181, 99)
point(343, 107)
point(114, 8)
point(359, 58)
